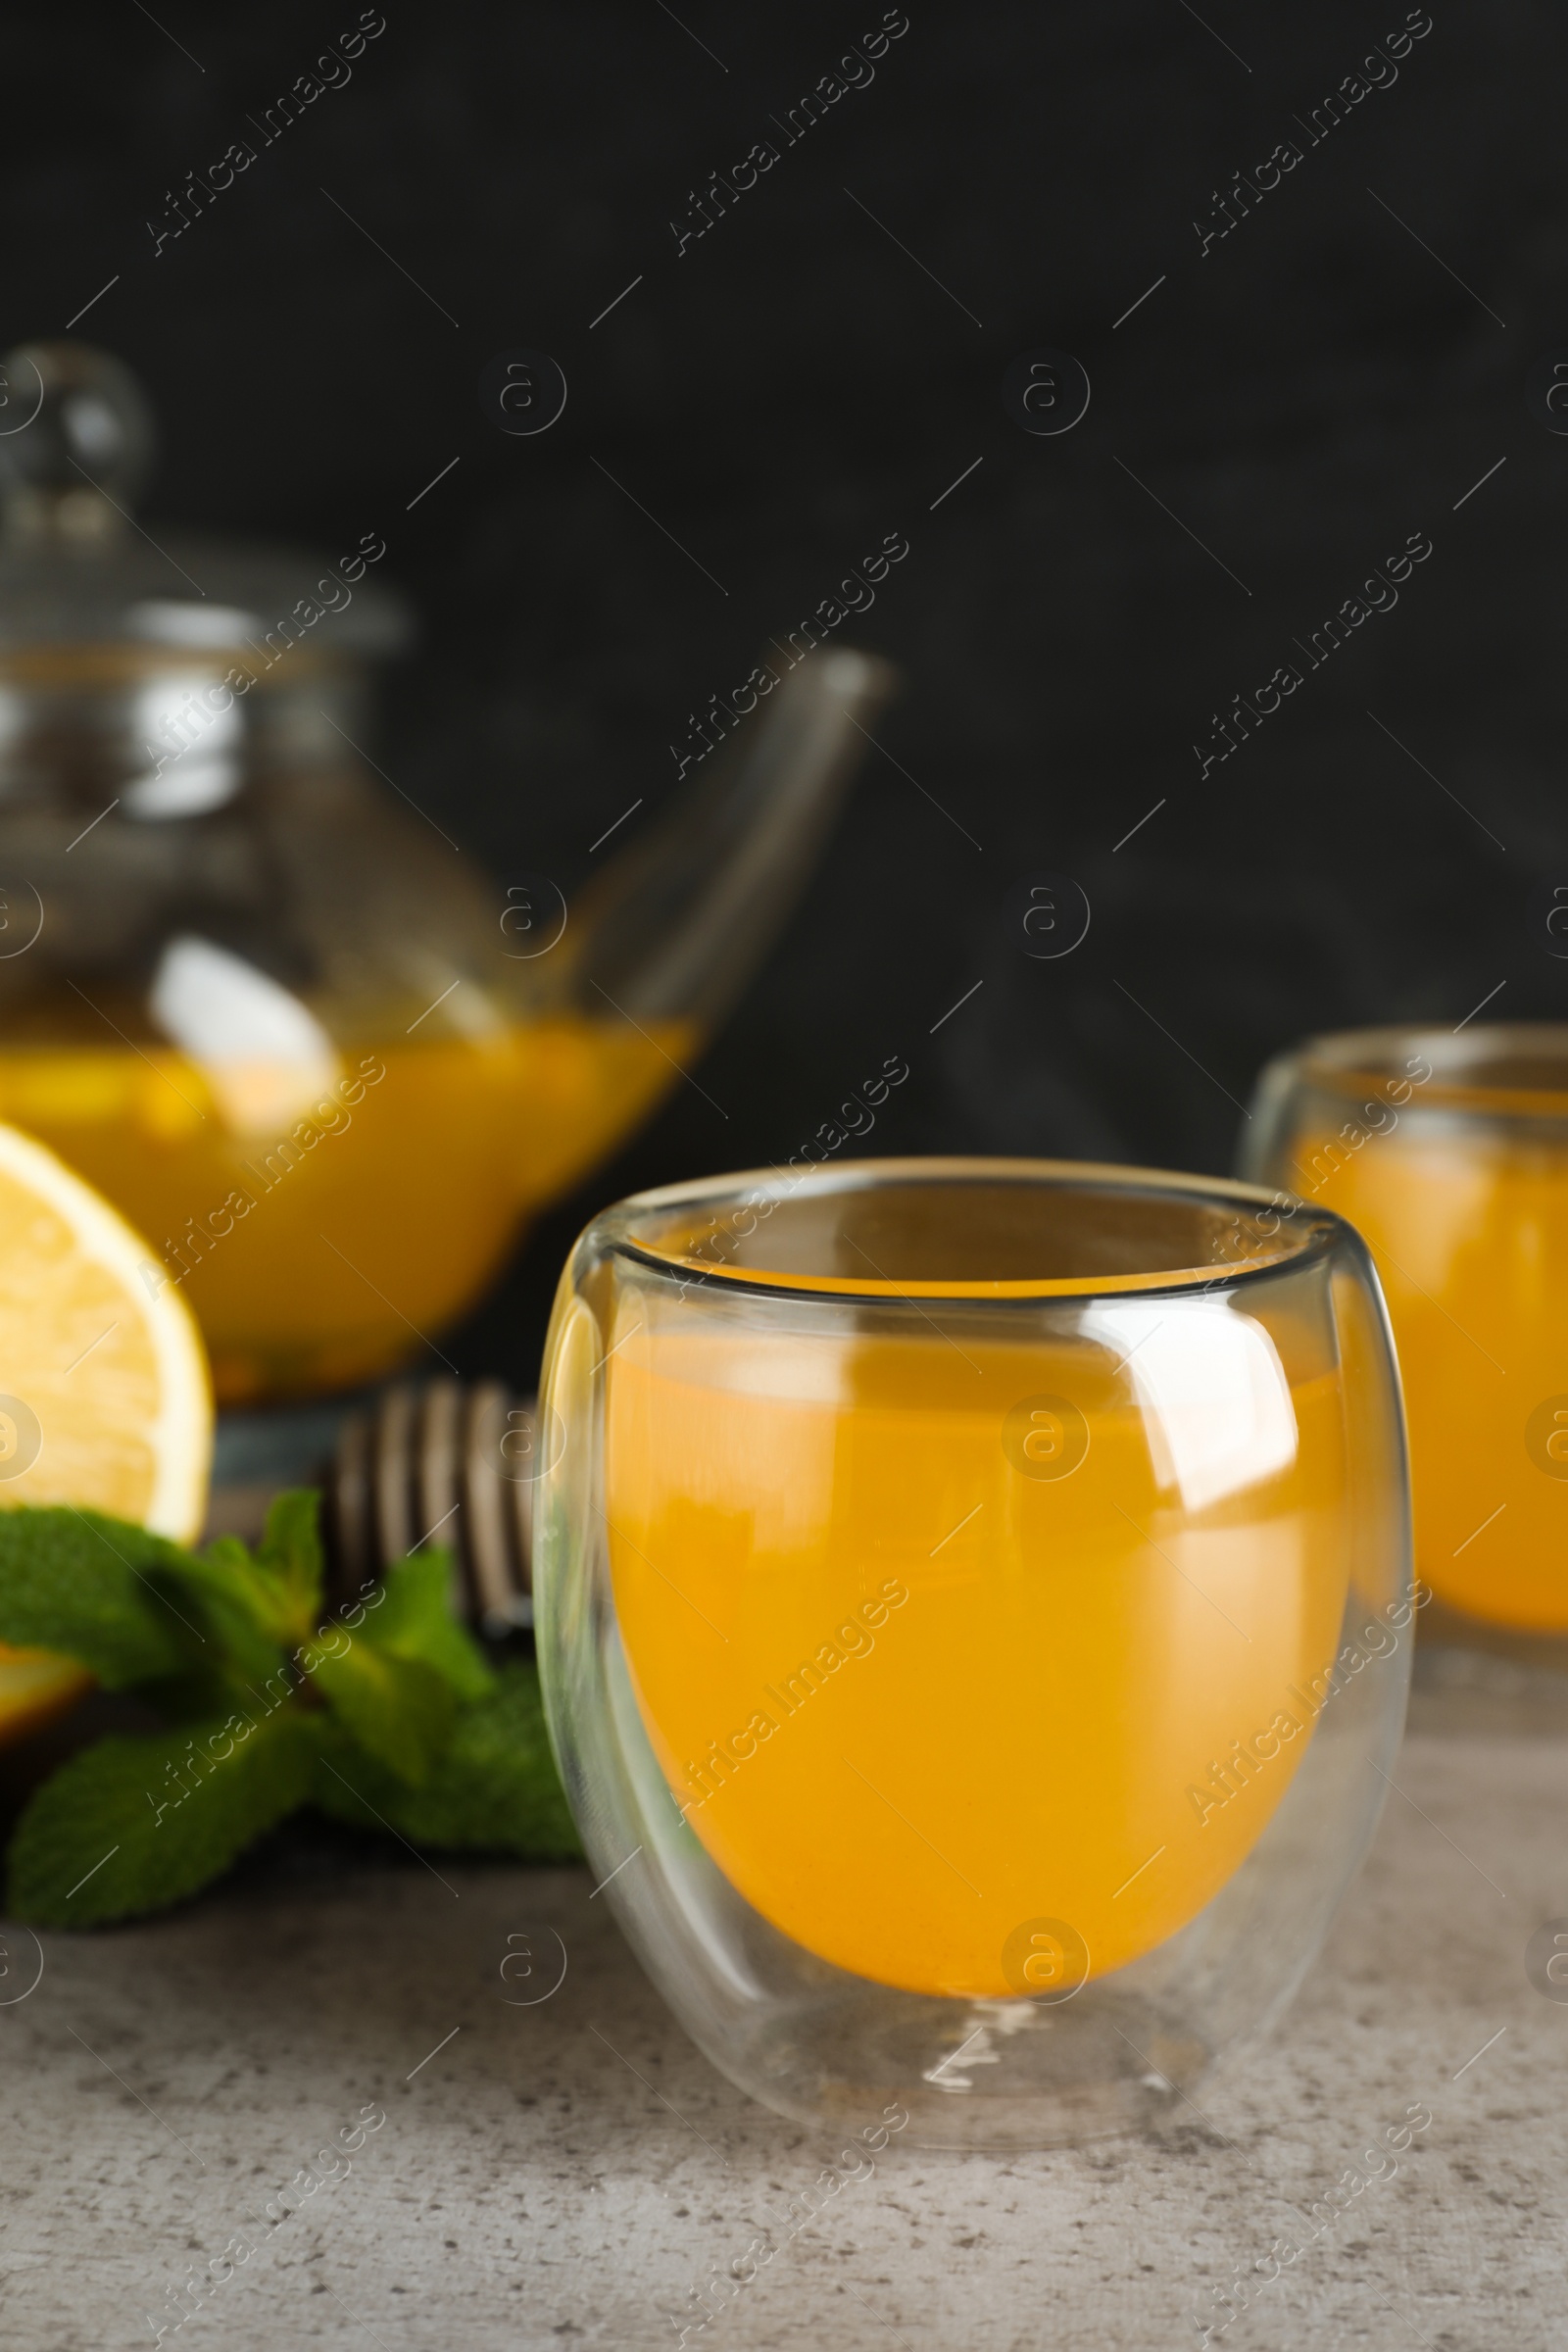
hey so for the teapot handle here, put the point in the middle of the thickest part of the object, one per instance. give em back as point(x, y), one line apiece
point(675, 927)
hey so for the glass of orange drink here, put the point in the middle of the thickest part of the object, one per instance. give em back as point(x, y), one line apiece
point(1448, 1153)
point(973, 1602)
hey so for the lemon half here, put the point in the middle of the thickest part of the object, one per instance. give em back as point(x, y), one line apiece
point(105, 1400)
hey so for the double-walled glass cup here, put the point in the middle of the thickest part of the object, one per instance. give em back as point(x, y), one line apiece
point(1450, 1154)
point(972, 1603)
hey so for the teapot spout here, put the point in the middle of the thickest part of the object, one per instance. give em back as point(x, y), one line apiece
point(675, 927)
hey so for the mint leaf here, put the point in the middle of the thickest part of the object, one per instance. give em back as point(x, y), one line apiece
point(496, 1785)
point(289, 1555)
point(112, 1834)
point(93, 1589)
point(254, 1608)
point(268, 1601)
point(399, 1710)
point(230, 1605)
point(414, 1620)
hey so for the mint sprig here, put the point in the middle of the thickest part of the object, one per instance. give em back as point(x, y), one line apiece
point(399, 1710)
point(94, 1589)
point(385, 1716)
point(134, 1825)
point(495, 1786)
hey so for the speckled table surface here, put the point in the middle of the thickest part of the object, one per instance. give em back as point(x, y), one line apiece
point(567, 2172)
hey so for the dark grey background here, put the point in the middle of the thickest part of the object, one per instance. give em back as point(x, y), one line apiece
point(1302, 397)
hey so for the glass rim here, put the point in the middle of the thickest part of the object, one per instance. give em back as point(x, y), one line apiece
point(1312, 1230)
point(1345, 1061)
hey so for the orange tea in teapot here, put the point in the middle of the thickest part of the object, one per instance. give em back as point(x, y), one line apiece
point(322, 1221)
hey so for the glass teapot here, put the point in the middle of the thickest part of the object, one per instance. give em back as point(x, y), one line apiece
point(323, 1065)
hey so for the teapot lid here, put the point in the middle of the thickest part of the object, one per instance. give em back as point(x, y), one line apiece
point(76, 568)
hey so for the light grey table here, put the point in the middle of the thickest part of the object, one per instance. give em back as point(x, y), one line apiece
point(565, 2173)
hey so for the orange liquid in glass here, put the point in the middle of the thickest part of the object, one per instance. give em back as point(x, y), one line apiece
point(915, 1700)
point(373, 1215)
point(1470, 1236)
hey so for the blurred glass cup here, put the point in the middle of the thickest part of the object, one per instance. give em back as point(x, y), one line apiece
point(972, 1602)
point(1450, 1154)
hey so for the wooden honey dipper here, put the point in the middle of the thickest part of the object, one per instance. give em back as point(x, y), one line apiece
point(440, 1462)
